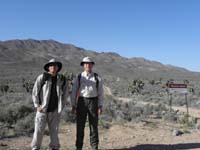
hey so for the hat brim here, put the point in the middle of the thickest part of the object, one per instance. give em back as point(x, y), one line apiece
point(82, 63)
point(59, 64)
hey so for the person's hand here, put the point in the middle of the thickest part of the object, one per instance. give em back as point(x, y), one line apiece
point(39, 109)
point(74, 109)
point(99, 110)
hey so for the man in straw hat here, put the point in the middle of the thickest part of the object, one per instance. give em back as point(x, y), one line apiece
point(87, 100)
point(49, 95)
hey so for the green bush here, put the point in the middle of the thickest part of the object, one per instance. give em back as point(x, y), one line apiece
point(18, 119)
point(4, 88)
point(68, 116)
point(25, 126)
point(11, 114)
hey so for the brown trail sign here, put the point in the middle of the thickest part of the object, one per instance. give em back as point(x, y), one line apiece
point(178, 88)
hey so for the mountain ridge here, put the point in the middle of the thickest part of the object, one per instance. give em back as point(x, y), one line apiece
point(24, 59)
point(22, 44)
point(32, 51)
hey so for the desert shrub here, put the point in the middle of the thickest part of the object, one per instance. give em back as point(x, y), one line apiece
point(68, 116)
point(152, 82)
point(160, 107)
point(16, 118)
point(148, 110)
point(151, 124)
point(109, 110)
point(118, 111)
point(171, 116)
point(187, 121)
point(24, 111)
point(28, 85)
point(2, 134)
point(4, 88)
point(13, 113)
point(8, 115)
point(104, 124)
point(115, 110)
point(130, 111)
point(25, 126)
point(137, 112)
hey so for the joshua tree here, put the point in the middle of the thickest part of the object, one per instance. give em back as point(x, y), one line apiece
point(185, 81)
point(28, 85)
point(152, 82)
point(69, 78)
point(4, 88)
point(136, 86)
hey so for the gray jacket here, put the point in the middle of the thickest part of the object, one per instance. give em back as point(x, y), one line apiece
point(44, 94)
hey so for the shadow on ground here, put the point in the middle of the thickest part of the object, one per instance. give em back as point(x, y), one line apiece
point(184, 146)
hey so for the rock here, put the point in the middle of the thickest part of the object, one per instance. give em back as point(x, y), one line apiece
point(176, 132)
point(2, 144)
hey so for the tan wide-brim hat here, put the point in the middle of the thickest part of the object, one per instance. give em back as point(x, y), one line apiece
point(87, 60)
point(53, 62)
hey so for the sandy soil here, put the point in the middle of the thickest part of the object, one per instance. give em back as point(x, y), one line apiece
point(156, 135)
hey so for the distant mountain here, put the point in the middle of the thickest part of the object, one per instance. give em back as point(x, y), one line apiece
point(25, 56)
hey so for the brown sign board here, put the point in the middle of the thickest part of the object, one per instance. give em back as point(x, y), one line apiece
point(176, 85)
point(177, 88)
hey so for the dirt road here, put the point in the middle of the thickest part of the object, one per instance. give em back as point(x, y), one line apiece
point(156, 135)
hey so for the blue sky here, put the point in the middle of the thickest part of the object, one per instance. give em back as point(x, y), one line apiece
point(167, 31)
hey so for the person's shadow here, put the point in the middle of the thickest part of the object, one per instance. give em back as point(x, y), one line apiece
point(184, 146)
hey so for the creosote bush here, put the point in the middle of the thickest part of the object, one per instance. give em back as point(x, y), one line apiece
point(25, 126)
point(18, 118)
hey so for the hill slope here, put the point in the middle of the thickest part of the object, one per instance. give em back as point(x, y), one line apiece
point(26, 58)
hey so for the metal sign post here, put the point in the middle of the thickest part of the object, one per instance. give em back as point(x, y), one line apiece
point(170, 102)
point(186, 105)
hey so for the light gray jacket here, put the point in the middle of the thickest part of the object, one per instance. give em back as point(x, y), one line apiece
point(44, 94)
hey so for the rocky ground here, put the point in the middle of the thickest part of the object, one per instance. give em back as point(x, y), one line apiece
point(148, 135)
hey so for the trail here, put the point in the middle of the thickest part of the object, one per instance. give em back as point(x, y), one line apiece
point(192, 111)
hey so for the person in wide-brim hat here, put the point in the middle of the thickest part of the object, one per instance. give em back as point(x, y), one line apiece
point(53, 62)
point(87, 60)
point(87, 89)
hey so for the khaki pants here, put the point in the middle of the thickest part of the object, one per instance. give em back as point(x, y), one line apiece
point(41, 119)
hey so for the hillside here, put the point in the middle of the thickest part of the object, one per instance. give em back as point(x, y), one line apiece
point(33, 52)
point(26, 58)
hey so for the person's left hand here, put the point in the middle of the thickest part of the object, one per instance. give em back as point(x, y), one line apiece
point(74, 110)
point(99, 110)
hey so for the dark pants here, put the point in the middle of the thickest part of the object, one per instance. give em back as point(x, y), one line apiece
point(87, 106)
